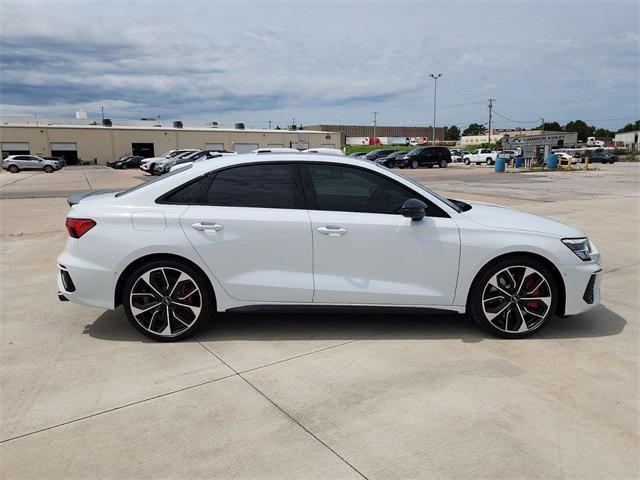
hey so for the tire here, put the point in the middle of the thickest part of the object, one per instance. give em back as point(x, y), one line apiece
point(496, 297)
point(467, 161)
point(158, 283)
point(489, 161)
point(48, 168)
point(414, 164)
point(443, 164)
point(13, 168)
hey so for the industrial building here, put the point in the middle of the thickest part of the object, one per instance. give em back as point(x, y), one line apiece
point(98, 144)
point(420, 134)
point(628, 140)
point(533, 143)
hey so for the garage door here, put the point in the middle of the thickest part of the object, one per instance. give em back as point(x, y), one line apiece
point(214, 146)
point(244, 147)
point(12, 148)
point(68, 151)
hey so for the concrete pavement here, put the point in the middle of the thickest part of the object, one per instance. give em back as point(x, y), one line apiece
point(323, 396)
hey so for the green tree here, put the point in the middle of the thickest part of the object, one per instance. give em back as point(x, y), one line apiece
point(550, 127)
point(581, 128)
point(630, 127)
point(603, 132)
point(475, 129)
point(452, 133)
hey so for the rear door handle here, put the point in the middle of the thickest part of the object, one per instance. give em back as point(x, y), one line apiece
point(332, 230)
point(206, 226)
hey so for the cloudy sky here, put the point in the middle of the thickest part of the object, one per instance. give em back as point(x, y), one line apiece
point(323, 61)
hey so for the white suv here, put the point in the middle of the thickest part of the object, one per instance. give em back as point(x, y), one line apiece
point(15, 163)
point(305, 232)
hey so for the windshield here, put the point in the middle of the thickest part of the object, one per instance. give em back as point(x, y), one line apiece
point(451, 204)
point(415, 151)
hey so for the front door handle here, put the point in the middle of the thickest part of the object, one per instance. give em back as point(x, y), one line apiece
point(332, 230)
point(206, 226)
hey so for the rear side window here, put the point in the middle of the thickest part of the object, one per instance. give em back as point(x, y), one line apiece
point(188, 193)
point(259, 186)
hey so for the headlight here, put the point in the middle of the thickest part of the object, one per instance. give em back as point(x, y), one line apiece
point(580, 246)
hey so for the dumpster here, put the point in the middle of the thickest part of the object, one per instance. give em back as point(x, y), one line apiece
point(552, 161)
point(500, 164)
point(519, 161)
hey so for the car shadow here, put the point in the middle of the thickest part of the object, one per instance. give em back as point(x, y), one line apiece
point(599, 322)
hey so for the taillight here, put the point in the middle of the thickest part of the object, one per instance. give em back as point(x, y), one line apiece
point(77, 227)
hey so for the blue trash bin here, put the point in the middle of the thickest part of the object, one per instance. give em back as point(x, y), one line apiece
point(500, 164)
point(552, 161)
point(519, 161)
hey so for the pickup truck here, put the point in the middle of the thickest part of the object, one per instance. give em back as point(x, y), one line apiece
point(480, 155)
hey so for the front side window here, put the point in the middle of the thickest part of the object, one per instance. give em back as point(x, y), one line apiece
point(258, 186)
point(348, 189)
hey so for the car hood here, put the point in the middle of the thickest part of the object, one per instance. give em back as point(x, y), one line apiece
point(496, 216)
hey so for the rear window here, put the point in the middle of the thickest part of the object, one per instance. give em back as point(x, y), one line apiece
point(154, 180)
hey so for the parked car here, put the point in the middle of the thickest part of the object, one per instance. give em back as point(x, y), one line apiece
point(357, 154)
point(565, 158)
point(603, 157)
point(132, 161)
point(509, 154)
point(147, 164)
point(219, 154)
point(189, 157)
point(456, 155)
point(424, 156)
point(481, 155)
point(15, 163)
point(390, 160)
point(244, 234)
point(378, 153)
point(276, 150)
point(60, 160)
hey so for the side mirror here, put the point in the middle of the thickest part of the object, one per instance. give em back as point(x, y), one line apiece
point(414, 209)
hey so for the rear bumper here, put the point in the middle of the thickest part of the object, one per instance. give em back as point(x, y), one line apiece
point(582, 286)
point(82, 282)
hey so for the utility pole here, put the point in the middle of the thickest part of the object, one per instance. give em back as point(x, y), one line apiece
point(375, 128)
point(491, 100)
point(269, 124)
point(102, 111)
point(542, 124)
point(435, 89)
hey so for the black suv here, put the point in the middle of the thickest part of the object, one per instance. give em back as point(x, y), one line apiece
point(427, 156)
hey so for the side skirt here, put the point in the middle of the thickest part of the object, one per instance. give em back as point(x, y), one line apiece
point(373, 309)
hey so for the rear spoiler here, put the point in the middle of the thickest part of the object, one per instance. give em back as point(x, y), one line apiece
point(78, 197)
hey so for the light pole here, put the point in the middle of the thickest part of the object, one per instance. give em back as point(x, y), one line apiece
point(435, 89)
point(375, 128)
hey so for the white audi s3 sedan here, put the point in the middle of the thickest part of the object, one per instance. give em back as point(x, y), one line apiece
point(303, 231)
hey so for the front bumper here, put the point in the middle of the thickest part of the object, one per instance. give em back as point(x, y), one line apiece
point(582, 287)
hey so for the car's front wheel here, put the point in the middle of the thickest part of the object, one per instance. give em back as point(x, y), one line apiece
point(514, 297)
point(167, 300)
point(467, 161)
point(48, 168)
point(414, 164)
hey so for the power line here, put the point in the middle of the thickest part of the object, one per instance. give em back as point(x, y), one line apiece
point(515, 121)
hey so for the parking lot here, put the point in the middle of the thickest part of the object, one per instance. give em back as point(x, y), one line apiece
point(322, 396)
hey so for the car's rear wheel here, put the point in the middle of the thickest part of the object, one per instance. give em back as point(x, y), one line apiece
point(489, 161)
point(513, 298)
point(443, 163)
point(167, 300)
point(13, 168)
point(48, 168)
point(414, 164)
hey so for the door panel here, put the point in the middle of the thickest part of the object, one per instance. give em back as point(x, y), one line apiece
point(384, 259)
point(259, 254)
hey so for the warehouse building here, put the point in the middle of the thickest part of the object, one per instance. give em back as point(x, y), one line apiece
point(534, 143)
point(359, 132)
point(97, 144)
